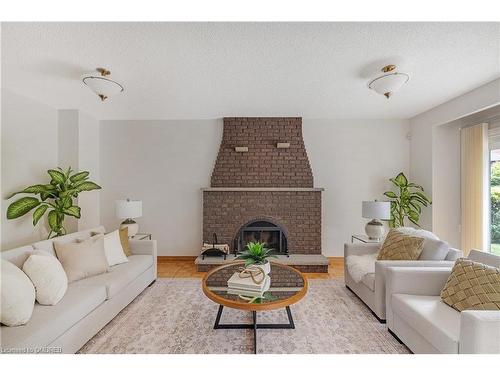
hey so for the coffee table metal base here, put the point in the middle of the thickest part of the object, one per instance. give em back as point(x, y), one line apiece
point(254, 325)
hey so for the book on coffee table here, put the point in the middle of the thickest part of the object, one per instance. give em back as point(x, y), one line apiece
point(237, 282)
point(251, 293)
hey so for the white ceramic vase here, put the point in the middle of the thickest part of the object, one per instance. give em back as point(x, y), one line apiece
point(375, 229)
point(266, 267)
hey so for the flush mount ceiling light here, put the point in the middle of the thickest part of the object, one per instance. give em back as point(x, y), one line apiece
point(390, 82)
point(101, 85)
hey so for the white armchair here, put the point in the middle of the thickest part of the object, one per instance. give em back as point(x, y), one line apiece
point(371, 289)
point(425, 324)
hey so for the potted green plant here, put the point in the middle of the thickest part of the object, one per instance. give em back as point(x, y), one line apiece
point(55, 199)
point(407, 202)
point(257, 254)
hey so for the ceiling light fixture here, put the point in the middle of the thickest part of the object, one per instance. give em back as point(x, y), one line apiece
point(101, 85)
point(390, 82)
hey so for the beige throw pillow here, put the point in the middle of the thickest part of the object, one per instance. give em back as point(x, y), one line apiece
point(399, 246)
point(82, 259)
point(472, 286)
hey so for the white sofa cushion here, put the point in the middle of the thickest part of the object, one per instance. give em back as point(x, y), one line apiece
point(120, 276)
point(47, 275)
point(49, 322)
point(17, 295)
point(438, 323)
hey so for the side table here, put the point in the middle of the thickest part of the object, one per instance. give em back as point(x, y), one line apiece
point(142, 236)
point(363, 238)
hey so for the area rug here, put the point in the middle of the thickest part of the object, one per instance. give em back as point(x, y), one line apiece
point(174, 316)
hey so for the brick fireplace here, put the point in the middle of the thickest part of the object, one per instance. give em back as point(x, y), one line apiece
point(262, 177)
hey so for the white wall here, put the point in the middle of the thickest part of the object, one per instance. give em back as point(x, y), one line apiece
point(422, 125)
point(29, 149)
point(353, 160)
point(88, 160)
point(68, 150)
point(446, 210)
point(166, 163)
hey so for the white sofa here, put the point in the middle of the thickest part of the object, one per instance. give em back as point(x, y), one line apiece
point(371, 289)
point(417, 316)
point(88, 304)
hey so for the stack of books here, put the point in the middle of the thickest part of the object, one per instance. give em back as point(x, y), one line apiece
point(246, 286)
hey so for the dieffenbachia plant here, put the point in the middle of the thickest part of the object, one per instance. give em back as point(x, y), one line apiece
point(407, 202)
point(54, 198)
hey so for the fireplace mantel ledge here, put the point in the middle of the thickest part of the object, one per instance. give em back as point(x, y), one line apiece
point(260, 189)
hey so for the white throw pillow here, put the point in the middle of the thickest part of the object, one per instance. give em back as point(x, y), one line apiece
point(17, 295)
point(47, 275)
point(113, 249)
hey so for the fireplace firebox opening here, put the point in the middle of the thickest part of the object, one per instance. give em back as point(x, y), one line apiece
point(262, 231)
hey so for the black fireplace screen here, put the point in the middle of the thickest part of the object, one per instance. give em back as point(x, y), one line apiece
point(262, 231)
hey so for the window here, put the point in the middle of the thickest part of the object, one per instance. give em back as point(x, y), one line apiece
point(494, 145)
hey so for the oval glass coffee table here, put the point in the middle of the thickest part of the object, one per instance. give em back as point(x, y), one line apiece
point(288, 286)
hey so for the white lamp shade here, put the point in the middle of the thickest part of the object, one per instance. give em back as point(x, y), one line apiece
point(389, 83)
point(102, 86)
point(376, 210)
point(127, 209)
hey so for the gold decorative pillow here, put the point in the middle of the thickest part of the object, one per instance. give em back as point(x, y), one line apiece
point(124, 241)
point(400, 246)
point(472, 286)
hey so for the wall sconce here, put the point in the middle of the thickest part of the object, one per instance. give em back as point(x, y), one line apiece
point(283, 145)
point(241, 149)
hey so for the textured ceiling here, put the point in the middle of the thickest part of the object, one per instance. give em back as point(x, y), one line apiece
point(211, 70)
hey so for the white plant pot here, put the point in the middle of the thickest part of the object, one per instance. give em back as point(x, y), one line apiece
point(266, 267)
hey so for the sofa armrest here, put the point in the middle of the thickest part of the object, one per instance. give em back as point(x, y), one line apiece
point(381, 267)
point(360, 248)
point(425, 281)
point(479, 332)
point(146, 247)
point(143, 247)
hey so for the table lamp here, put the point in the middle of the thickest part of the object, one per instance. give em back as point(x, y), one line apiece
point(376, 211)
point(129, 210)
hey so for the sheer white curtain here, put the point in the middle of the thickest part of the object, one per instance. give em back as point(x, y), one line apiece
point(474, 187)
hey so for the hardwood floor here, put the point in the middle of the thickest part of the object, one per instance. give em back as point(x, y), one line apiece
point(182, 267)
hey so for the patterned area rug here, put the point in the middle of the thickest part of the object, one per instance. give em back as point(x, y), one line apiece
point(174, 316)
